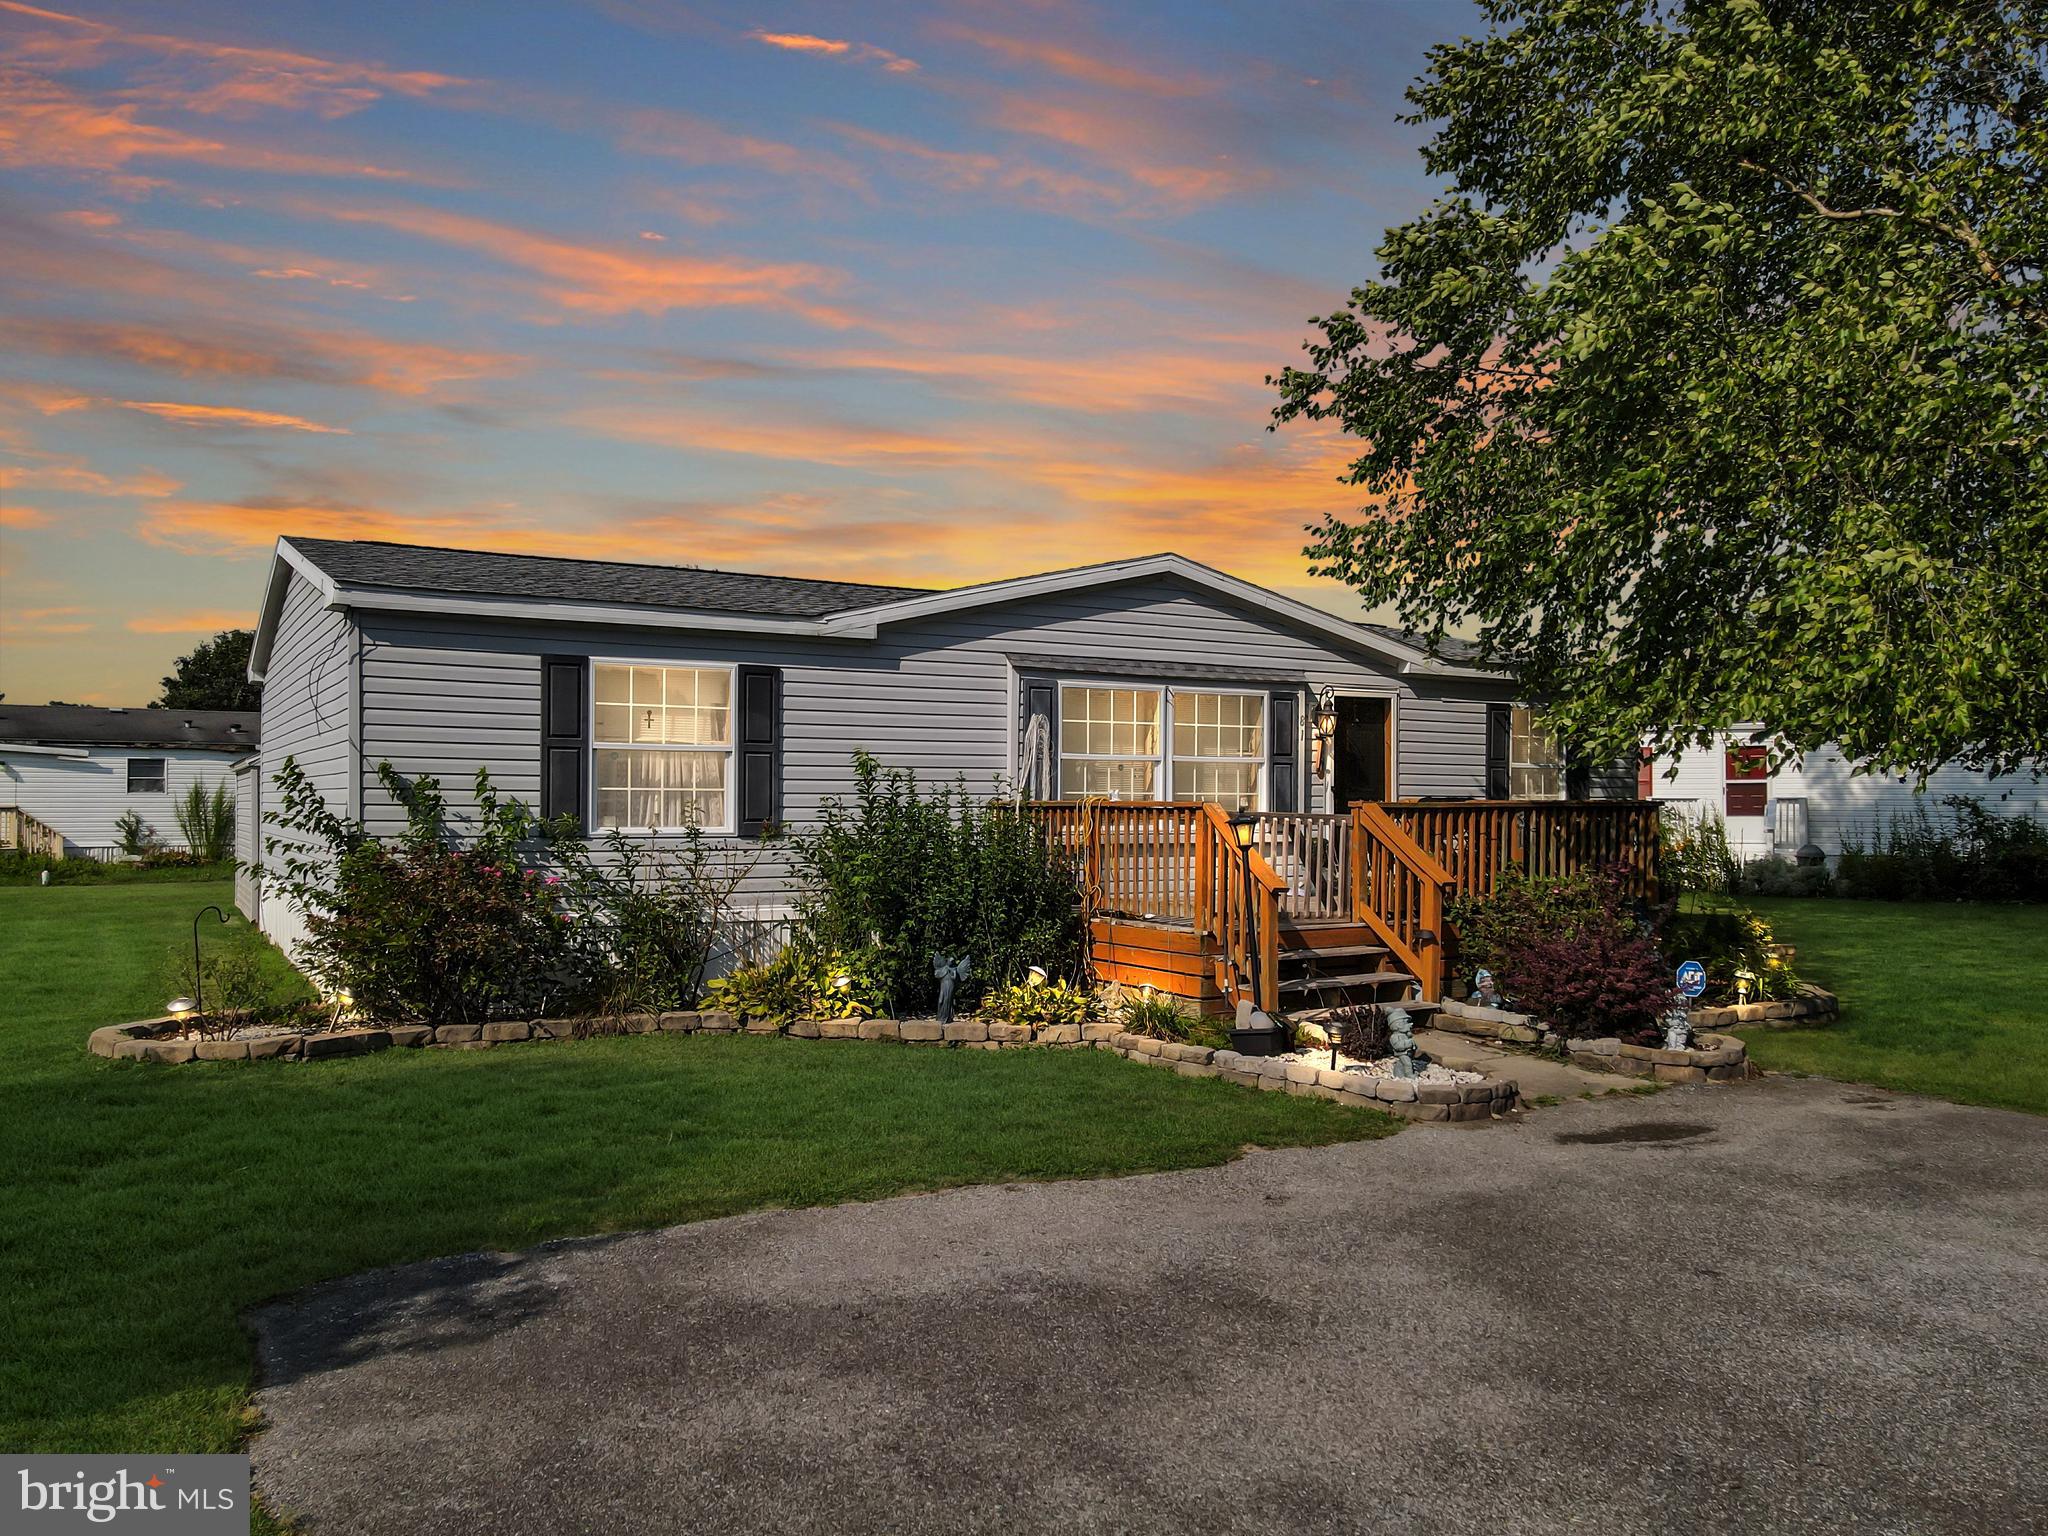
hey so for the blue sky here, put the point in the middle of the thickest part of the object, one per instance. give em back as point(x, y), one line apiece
point(927, 293)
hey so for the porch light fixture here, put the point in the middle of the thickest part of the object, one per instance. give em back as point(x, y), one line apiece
point(1323, 722)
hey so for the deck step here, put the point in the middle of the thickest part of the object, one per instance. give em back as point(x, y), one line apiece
point(1336, 952)
point(1359, 979)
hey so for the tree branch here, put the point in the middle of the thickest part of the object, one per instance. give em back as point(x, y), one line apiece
point(1962, 234)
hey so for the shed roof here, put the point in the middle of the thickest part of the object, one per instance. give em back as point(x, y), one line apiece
point(85, 725)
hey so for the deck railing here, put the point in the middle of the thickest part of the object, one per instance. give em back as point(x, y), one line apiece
point(1312, 855)
point(18, 829)
point(1477, 840)
point(1392, 867)
point(1398, 891)
point(1176, 862)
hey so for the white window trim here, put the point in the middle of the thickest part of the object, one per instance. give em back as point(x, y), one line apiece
point(164, 773)
point(728, 825)
point(1557, 763)
point(1166, 689)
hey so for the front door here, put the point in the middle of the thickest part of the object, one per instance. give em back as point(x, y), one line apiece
point(1364, 752)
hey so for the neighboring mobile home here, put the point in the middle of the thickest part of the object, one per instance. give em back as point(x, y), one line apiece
point(78, 770)
point(1819, 799)
point(659, 697)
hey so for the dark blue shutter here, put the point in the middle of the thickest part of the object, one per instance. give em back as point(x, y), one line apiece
point(1283, 753)
point(760, 749)
point(565, 738)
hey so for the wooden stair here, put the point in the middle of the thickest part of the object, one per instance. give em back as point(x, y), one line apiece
point(1335, 964)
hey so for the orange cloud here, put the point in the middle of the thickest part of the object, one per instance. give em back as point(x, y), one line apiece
point(311, 356)
point(596, 280)
point(1127, 380)
point(840, 444)
point(45, 125)
point(224, 79)
point(23, 518)
point(833, 47)
point(1084, 67)
point(26, 625)
point(58, 472)
point(206, 621)
point(1167, 158)
point(225, 416)
point(1032, 182)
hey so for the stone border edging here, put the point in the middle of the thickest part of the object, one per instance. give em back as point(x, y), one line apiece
point(1813, 1005)
point(1712, 1058)
point(1453, 1103)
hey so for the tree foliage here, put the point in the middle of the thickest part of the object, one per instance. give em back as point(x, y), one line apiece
point(1712, 388)
point(214, 675)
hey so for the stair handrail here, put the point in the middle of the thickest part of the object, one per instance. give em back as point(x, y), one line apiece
point(1245, 926)
point(1397, 890)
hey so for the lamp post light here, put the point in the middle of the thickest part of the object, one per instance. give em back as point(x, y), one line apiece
point(178, 1007)
point(1244, 826)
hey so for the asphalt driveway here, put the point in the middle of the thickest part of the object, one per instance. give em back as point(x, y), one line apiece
point(1785, 1306)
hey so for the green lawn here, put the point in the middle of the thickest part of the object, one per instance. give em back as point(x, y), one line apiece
point(1941, 999)
point(148, 1206)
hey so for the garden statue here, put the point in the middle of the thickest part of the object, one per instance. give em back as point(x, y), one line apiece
point(950, 973)
point(1401, 1040)
point(1484, 993)
point(1677, 1029)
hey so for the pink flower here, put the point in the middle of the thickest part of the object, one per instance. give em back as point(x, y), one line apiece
point(554, 880)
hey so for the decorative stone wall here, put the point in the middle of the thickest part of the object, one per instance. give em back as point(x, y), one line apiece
point(1812, 1006)
point(1711, 1058)
point(1446, 1103)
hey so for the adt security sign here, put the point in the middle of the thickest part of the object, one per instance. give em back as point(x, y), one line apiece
point(1692, 979)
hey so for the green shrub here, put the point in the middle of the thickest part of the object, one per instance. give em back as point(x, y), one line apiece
point(900, 874)
point(1970, 855)
point(233, 984)
point(207, 822)
point(1774, 876)
point(1695, 853)
point(1156, 1015)
point(1743, 959)
point(524, 919)
point(132, 835)
point(1038, 1003)
point(777, 990)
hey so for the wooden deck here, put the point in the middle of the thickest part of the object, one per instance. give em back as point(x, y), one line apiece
point(1174, 903)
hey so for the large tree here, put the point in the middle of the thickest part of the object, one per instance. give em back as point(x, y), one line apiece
point(1712, 388)
point(214, 675)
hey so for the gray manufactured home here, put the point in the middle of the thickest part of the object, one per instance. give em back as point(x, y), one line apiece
point(655, 698)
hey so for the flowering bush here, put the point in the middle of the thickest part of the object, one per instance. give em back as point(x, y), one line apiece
point(1569, 951)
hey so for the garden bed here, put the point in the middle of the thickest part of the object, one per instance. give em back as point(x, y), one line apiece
point(1711, 1058)
point(1436, 1095)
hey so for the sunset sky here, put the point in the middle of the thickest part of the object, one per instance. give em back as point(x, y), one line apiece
point(919, 293)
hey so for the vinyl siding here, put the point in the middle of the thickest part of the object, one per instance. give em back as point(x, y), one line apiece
point(84, 797)
point(1842, 807)
point(443, 696)
point(309, 697)
point(248, 789)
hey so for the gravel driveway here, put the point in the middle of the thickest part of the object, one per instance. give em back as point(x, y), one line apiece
point(1784, 1306)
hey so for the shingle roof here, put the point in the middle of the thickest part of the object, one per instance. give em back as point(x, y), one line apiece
point(1450, 648)
point(485, 574)
point(69, 725)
